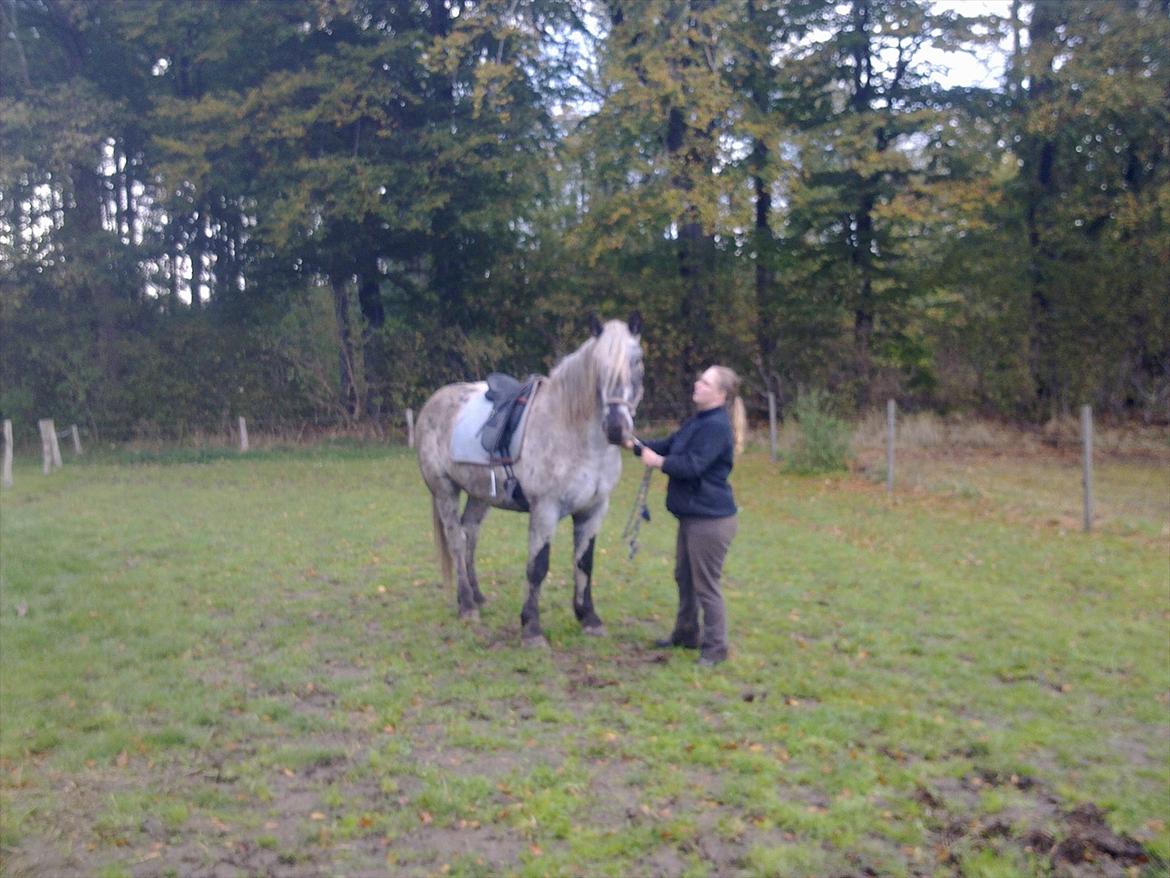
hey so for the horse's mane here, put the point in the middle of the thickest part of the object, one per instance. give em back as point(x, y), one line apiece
point(604, 356)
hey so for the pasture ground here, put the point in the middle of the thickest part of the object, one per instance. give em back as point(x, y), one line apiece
point(222, 665)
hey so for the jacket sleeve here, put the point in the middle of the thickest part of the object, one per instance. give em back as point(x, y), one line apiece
point(660, 446)
point(704, 448)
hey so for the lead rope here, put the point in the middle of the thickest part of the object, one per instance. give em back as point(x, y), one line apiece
point(640, 513)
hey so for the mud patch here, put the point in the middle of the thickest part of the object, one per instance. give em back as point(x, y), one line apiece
point(1076, 843)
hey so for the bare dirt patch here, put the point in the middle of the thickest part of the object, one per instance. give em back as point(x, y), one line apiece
point(1075, 842)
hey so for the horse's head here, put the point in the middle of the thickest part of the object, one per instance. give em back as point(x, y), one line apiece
point(617, 358)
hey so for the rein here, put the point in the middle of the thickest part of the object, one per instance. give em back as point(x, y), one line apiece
point(640, 513)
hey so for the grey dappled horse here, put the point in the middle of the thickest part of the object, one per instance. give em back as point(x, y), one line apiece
point(571, 461)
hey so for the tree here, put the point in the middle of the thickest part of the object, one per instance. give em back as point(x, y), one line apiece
point(876, 181)
point(1091, 130)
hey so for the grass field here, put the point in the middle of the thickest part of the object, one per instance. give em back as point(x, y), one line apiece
point(224, 665)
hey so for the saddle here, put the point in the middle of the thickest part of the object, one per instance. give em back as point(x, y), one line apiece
point(508, 397)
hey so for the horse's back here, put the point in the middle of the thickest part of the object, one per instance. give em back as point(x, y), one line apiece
point(436, 421)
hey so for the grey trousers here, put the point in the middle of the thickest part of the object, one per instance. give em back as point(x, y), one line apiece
point(702, 546)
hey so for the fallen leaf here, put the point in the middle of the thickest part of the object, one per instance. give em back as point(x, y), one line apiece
point(316, 815)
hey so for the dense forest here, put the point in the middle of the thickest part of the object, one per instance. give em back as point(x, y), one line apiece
point(318, 211)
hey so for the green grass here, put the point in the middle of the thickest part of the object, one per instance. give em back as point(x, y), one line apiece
point(248, 659)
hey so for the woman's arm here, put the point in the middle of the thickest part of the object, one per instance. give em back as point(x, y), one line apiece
point(704, 448)
point(659, 446)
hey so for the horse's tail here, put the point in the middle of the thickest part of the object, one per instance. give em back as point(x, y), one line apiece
point(441, 546)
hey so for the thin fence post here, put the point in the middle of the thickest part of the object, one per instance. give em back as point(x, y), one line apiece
point(891, 421)
point(410, 428)
point(243, 434)
point(76, 439)
point(55, 446)
point(1087, 476)
point(772, 422)
point(6, 480)
point(46, 446)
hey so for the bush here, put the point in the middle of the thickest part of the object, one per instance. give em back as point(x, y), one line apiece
point(823, 443)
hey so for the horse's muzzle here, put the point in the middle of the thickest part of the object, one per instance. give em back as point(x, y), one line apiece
point(618, 424)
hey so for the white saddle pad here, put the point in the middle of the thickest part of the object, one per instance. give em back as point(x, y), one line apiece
point(466, 446)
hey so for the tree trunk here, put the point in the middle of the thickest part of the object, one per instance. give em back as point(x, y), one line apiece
point(764, 280)
point(862, 237)
point(91, 241)
point(691, 153)
point(348, 352)
point(761, 85)
point(373, 315)
point(1039, 158)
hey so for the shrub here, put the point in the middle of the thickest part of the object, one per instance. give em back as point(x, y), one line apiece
point(823, 442)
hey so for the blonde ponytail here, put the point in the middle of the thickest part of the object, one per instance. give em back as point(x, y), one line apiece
point(738, 424)
point(729, 384)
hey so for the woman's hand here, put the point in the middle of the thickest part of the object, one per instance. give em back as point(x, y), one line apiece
point(650, 457)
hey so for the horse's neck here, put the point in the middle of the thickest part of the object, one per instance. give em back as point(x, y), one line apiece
point(579, 421)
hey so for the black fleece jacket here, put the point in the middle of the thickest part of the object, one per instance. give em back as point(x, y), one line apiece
point(698, 459)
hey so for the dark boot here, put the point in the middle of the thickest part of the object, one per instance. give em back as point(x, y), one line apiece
point(677, 640)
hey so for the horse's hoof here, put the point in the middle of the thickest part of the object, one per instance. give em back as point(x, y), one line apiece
point(596, 631)
point(480, 600)
point(538, 641)
point(471, 615)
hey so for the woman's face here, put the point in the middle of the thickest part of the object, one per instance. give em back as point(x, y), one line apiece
point(708, 394)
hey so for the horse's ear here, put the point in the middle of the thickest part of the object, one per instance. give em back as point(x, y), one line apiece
point(635, 323)
point(595, 324)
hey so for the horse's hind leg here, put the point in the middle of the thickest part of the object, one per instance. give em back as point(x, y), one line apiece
point(447, 503)
point(473, 516)
point(586, 524)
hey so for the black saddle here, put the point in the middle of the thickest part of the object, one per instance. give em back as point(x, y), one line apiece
point(508, 397)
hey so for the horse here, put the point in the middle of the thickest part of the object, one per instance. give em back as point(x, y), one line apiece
point(577, 420)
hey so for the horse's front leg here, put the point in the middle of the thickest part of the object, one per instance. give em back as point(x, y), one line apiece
point(542, 522)
point(586, 524)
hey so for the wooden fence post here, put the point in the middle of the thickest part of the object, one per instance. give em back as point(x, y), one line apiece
point(46, 446)
point(772, 422)
point(410, 428)
point(55, 445)
point(76, 440)
point(6, 480)
point(1087, 476)
point(891, 419)
point(243, 434)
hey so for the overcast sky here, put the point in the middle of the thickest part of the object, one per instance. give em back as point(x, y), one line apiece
point(984, 68)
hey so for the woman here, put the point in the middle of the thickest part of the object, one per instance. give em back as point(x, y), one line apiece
point(698, 458)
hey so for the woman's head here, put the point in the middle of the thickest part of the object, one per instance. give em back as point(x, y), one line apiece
point(716, 386)
point(719, 386)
